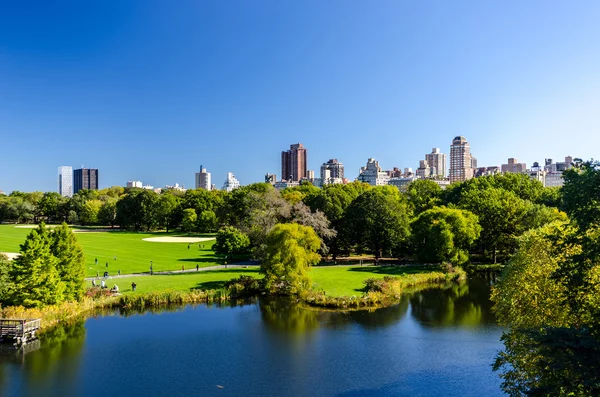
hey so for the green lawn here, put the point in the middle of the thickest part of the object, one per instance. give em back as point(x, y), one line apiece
point(348, 280)
point(132, 253)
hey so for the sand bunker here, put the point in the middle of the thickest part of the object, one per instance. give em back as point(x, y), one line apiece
point(178, 239)
point(10, 255)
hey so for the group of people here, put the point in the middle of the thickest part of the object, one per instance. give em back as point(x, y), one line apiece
point(115, 287)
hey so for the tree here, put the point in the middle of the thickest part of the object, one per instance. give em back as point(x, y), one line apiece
point(49, 206)
point(4, 279)
point(581, 194)
point(35, 279)
point(168, 204)
point(71, 261)
point(231, 241)
point(88, 214)
point(291, 250)
point(444, 235)
point(207, 222)
point(423, 194)
point(501, 214)
point(108, 213)
point(189, 220)
point(138, 209)
point(376, 221)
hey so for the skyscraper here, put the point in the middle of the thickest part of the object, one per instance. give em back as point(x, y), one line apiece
point(294, 164)
point(203, 179)
point(437, 160)
point(231, 182)
point(65, 181)
point(461, 161)
point(332, 171)
point(85, 178)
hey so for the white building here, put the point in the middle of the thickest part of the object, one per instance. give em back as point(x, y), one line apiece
point(372, 174)
point(134, 184)
point(65, 181)
point(231, 182)
point(285, 184)
point(176, 187)
point(203, 179)
point(402, 182)
point(437, 161)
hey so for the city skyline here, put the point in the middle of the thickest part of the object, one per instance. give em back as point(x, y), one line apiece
point(147, 91)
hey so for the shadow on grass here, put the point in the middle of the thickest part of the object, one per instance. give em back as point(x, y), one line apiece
point(221, 271)
point(395, 270)
point(209, 285)
point(216, 261)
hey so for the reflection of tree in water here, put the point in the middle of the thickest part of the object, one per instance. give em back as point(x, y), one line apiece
point(373, 318)
point(466, 304)
point(286, 316)
point(61, 344)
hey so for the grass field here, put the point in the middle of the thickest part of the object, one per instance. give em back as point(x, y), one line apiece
point(132, 253)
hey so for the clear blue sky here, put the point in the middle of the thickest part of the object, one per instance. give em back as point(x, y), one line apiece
point(150, 89)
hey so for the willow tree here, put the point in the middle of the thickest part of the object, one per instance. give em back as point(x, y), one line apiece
point(290, 250)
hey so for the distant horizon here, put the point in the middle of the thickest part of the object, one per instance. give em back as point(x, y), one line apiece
point(150, 91)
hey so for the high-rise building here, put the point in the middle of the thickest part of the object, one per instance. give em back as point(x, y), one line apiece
point(65, 181)
point(231, 182)
point(85, 178)
point(203, 179)
point(332, 172)
point(461, 161)
point(137, 184)
point(270, 178)
point(372, 174)
point(514, 166)
point(437, 160)
point(294, 164)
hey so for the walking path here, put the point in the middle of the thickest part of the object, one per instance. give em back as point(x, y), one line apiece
point(239, 265)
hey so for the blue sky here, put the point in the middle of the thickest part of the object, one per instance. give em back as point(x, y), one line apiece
point(150, 90)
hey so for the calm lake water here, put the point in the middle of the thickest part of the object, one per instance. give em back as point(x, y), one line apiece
point(439, 342)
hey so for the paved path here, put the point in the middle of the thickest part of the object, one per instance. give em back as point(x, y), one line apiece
point(239, 265)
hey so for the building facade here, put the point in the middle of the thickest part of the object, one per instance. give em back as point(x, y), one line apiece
point(137, 184)
point(514, 166)
point(85, 178)
point(332, 172)
point(65, 181)
point(294, 163)
point(372, 174)
point(270, 178)
point(203, 179)
point(461, 161)
point(437, 162)
point(231, 182)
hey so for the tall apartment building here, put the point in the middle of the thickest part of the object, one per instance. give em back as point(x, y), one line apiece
point(372, 174)
point(203, 179)
point(137, 184)
point(294, 163)
point(65, 181)
point(514, 166)
point(85, 178)
point(231, 182)
point(437, 161)
point(332, 172)
point(461, 161)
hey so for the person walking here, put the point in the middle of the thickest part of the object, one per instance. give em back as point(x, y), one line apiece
point(106, 264)
point(96, 261)
point(133, 286)
point(93, 283)
point(197, 267)
point(182, 268)
point(119, 271)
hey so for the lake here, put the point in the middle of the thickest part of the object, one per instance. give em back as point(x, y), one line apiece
point(437, 342)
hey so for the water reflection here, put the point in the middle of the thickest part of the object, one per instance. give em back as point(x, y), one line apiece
point(464, 304)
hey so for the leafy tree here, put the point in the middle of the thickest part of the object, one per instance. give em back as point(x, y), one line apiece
point(108, 213)
point(189, 220)
point(581, 194)
point(501, 215)
point(520, 184)
point(376, 221)
point(71, 261)
point(291, 250)
point(34, 276)
point(138, 209)
point(231, 241)
point(207, 222)
point(423, 194)
point(88, 215)
point(551, 197)
point(4, 279)
point(168, 204)
point(444, 235)
point(49, 206)
point(302, 215)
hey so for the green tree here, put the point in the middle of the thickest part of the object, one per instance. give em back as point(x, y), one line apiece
point(138, 210)
point(88, 215)
point(189, 220)
point(168, 204)
point(376, 221)
point(207, 222)
point(35, 279)
point(581, 194)
point(423, 195)
point(108, 213)
point(4, 279)
point(49, 206)
point(71, 261)
point(444, 235)
point(231, 241)
point(291, 250)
